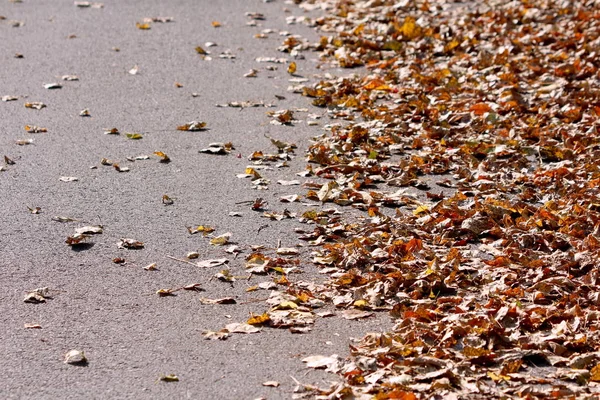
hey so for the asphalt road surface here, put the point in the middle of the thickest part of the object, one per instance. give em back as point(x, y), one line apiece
point(130, 335)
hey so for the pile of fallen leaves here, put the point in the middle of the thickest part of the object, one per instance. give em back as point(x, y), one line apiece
point(469, 134)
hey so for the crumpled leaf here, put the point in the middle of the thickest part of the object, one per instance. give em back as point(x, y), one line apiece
point(53, 86)
point(219, 335)
point(217, 148)
point(78, 239)
point(192, 126)
point(35, 129)
point(89, 230)
point(204, 229)
point(169, 378)
point(75, 357)
point(163, 157)
point(292, 68)
point(126, 243)
point(37, 105)
point(221, 239)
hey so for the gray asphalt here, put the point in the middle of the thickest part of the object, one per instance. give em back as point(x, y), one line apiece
point(131, 336)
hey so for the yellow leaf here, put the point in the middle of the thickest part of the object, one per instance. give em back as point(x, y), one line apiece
point(253, 172)
point(200, 50)
point(141, 26)
point(220, 240)
point(595, 373)
point(496, 377)
point(163, 157)
point(410, 29)
point(291, 68)
point(216, 24)
point(258, 319)
point(420, 210)
point(133, 136)
point(169, 378)
point(204, 229)
point(361, 303)
point(287, 305)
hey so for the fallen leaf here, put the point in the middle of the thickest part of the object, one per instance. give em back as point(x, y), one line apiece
point(212, 335)
point(35, 129)
point(59, 218)
point(77, 239)
point(289, 183)
point(68, 179)
point(289, 199)
point(34, 298)
point(134, 136)
point(166, 292)
point(356, 314)
point(259, 319)
point(222, 300)
point(217, 148)
point(212, 263)
point(37, 105)
point(271, 383)
point(204, 229)
point(163, 157)
point(125, 243)
point(221, 239)
point(53, 86)
point(320, 362)
point(119, 168)
point(287, 251)
point(32, 326)
point(292, 68)
point(241, 328)
point(150, 267)
point(193, 126)
point(93, 229)
point(75, 357)
point(134, 71)
point(169, 378)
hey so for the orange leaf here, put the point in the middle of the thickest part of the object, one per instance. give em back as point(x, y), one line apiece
point(480, 108)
